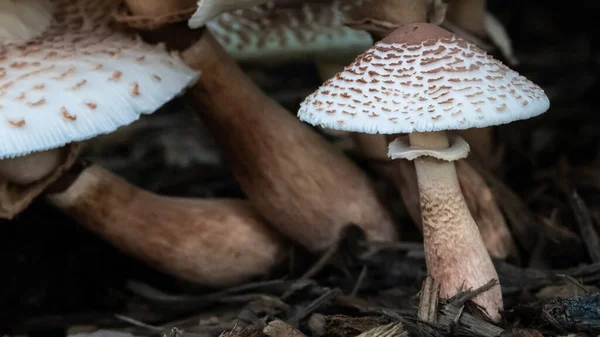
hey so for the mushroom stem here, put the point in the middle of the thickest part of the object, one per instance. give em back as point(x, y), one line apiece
point(33, 167)
point(454, 250)
point(469, 16)
point(153, 8)
point(296, 179)
point(214, 242)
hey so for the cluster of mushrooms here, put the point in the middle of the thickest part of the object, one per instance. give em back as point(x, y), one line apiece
point(71, 70)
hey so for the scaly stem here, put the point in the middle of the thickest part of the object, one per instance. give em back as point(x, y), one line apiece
point(455, 253)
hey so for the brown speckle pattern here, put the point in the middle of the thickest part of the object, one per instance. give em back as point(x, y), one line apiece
point(440, 84)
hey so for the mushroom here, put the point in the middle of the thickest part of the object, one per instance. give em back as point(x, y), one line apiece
point(24, 19)
point(423, 80)
point(212, 242)
point(81, 78)
point(153, 14)
point(379, 20)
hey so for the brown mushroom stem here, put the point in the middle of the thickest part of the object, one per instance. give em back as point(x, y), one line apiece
point(212, 242)
point(22, 179)
point(155, 8)
point(454, 250)
point(295, 178)
point(30, 168)
point(468, 15)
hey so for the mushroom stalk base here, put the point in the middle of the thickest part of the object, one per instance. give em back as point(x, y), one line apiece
point(213, 242)
point(454, 251)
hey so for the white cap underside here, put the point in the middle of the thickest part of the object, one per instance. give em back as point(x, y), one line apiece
point(449, 84)
point(268, 32)
point(81, 79)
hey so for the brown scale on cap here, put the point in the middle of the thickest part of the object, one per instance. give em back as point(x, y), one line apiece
point(422, 78)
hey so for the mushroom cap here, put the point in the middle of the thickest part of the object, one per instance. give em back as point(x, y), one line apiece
point(422, 78)
point(275, 33)
point(82, 77)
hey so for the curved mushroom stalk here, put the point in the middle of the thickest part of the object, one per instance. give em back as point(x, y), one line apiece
point(28, 169)
point(212, 242)
point(380, 17)
point(23, 178)
point(305, 188)
point(23, 20)
point(454, 250)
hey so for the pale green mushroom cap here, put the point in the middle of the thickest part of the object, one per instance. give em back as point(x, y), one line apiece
point(272, 33)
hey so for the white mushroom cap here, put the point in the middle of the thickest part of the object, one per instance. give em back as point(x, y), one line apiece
point(423, 78)
point(272, 32)
point(81, 78)
point(209, 9)
point(22, 20)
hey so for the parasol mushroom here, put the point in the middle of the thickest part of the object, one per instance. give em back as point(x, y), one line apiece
point(423, 80)
point(80, 78)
